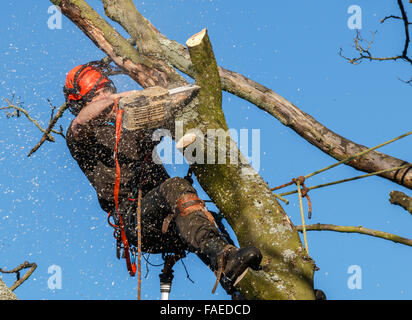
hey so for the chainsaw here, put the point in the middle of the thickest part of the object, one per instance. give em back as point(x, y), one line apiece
point(152, 107)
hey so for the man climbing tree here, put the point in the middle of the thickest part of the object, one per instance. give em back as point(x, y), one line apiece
point(128, 181)
point(243, 197)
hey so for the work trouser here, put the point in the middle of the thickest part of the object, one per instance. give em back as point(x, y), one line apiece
point(193, 232)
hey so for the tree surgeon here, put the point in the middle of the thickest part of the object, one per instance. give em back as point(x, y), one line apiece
point(173, 218)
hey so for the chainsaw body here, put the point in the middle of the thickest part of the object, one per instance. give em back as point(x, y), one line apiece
point(154, 107)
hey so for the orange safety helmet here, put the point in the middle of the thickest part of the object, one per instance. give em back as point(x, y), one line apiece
point(82, 82)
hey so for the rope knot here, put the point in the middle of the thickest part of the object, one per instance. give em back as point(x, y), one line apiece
point(300, 179)
point(305, 192)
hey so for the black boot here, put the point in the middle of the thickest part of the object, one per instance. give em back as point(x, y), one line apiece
point(229, 263)
point(233, 264)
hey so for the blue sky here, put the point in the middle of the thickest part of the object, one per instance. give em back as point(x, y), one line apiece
point(49, 213)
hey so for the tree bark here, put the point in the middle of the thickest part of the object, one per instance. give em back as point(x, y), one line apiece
point(127, 16)
point(125, 13)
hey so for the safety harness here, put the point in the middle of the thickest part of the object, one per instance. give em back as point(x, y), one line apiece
point(120, 232)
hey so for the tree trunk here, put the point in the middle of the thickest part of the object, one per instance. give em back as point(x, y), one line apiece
point(241, 194)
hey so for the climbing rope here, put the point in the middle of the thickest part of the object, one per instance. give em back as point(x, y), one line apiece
point(350, 158)
point(302, 215)
point(302, 190)
point(350, 179)
point(120, 233)
point(358, 155)
point(139, 244)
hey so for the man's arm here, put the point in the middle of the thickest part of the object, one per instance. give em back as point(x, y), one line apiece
point(92, 113)
point(95, 112)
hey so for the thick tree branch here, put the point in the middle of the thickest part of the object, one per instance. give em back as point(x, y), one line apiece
point(401, 199)
point(125, 13)
point(47, 133)
point(393, 17)
point(291, 116)
point(365, 51)
point(360, 230)
point(206, 74)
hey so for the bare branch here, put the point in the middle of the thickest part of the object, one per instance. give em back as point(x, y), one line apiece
point(18, 110)
point(19, 281)
point(364, 52)
point(125, 13)
point(360, 230)
point(363, 46)
point(393, 17)
point(406, 26)
point(49, 129)
point(288, 114)
point(242, 180)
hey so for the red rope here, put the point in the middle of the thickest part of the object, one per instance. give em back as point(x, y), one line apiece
point(139, 245)
point(131, 267)
point(119, 115)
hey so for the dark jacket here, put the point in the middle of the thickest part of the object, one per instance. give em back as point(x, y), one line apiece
point(95, 157)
